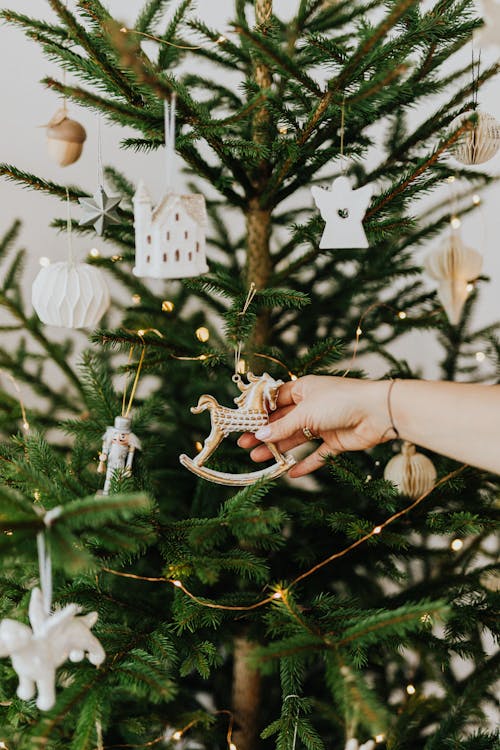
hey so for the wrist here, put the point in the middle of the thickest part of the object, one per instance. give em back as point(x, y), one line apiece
point(378, 420)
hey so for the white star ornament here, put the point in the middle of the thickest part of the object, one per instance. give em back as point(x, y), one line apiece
point(343, 210)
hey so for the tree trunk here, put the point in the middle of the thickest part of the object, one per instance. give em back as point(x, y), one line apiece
point(246, 697)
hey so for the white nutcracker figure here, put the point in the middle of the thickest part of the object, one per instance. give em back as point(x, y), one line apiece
point(118, 448)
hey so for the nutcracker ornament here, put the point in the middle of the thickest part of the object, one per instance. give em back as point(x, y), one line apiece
point(258, 397)
point(118, 449)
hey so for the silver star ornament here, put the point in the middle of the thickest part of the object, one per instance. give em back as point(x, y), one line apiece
point(100, 210)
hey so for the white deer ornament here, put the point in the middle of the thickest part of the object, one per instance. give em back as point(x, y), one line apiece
point(37, 651)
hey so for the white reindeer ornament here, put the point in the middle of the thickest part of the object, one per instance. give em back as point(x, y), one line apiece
point(37, 651)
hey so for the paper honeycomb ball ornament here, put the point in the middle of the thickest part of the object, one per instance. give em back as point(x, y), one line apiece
point(170, 238)
point(70, 295)
point(65, 138)
point(454, 265)
point(412, 472)
point(480, 143)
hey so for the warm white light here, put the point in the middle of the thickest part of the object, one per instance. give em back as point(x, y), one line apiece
point(198, 446)
point(450, 178)
point(358, 331)
point(402, 315)
point(470, 287)
point(26, 426)
point(202, 334)
point(379, 737)
point(377, 463)
point(136, 299)
point(124, 29)
point(293, 377)
point(177, 735)
point(44, 261)
point(456, 545)
point(277, 595)
point(116, 258)
point(177, 583)
point(377, 529)
point(94, 253)
point(368, 478)
point(232, 746)
point(140, 332)
point(476, 199)
point(411, 689)
point(167, 305)
point(283, 130)
point(426, 619)
point(480, 356)
point(221, 39)
point(8, 533)
point(455, 222)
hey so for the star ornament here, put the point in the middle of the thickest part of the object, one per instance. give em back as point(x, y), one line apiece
point(343, 210)
point(100, 210)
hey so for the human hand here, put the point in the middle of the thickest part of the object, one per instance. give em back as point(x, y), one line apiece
point(346, 413)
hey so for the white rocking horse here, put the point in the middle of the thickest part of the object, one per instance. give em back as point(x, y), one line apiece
point(258, 397)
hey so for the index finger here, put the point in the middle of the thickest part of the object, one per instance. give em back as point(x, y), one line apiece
point(285, 394)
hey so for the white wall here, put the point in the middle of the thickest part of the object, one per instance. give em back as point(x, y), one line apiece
point(28, 105)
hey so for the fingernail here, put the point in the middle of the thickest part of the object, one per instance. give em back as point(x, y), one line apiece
point(263, 433)
point(240, 441)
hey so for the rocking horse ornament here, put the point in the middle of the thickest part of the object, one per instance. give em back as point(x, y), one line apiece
point(258, 397)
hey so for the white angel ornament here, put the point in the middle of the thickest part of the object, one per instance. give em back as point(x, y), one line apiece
point(118, 448)
point(343, 210)
point(37, 651)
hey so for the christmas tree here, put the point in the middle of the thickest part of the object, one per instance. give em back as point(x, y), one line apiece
point(325, 613)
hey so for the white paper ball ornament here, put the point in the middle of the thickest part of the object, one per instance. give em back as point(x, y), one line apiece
point(478, 144)
point(412, 472)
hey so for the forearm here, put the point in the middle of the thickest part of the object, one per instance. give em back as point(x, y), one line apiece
point(459, 420)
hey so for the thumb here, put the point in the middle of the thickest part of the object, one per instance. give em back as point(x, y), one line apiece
point(281, 428)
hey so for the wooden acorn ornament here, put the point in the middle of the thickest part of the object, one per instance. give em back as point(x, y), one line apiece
point(65, 138)
point(412, 472)
point(454, 266)
point(478, 144)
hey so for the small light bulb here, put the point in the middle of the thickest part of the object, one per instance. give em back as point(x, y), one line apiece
point(283, 130)
point(278, 595)
point(221, 39)
point(377, 463)
point(411, 689)
point(198, 446)
point(9, 533)
point(377, 529)
point(3, 746)
point(177, 583)
point(358, 331)
point(116, 258)
point(379, 738)
point(456, 545)
point(124, 30)
point(94, 253)
point(480, 356)
point(455, 222)
point(136, 299)
point(450, 178)
point(476, 199)
point(232, 746)
point(202, 334)
point(167, 305)
point(44, 261)
point(426, 619)
point(402, 315)
point(26, 426)
point(141, 332)
point(293, 377)
point(470, 287)
point(177, 735)
point(368, 478)
point(37, 495)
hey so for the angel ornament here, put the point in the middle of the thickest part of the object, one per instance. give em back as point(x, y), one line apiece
point(343, 210)
point(118, 448)
point(258, 397)
point(37, 651)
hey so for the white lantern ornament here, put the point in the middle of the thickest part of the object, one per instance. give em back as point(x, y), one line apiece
point(478, 144)
point(454, 265)
point(69, 294)
point(170, 238)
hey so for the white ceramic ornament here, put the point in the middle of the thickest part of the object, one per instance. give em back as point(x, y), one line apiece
point(480, 143)
point(170, 238)
point(118, 448)
point(71, 295)
point(354, 745)
point(412, 472)
point(454, 266)
point(65, 138)
point(99, 210)
point(489, 34)
point(37, 651)
point(343, 210)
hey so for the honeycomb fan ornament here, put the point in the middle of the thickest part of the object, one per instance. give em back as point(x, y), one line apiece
point(412, 472)
point(70, 295)
point(480, 143)
point(453, 265)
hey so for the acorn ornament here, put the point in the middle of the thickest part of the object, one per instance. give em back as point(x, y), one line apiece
point(480, 142)
point(65, 138)
point(454, 265)
point(412, 472)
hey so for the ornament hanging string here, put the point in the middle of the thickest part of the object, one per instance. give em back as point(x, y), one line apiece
point(100, 168)
point(25, 424)
point(169, 114)
point(296, 726)
point(45, 569)
point(71, 258)
point(219, 40)
point(126, 410)
point(237, 349)
point(342, 132)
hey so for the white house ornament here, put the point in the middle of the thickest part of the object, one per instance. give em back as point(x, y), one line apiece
point(343, 210)
point(100, 210)
point(37, 651)
point(65, 138)
point(118, 449)
point(258, 398)
point(170, 238)
point(412, 472)
point(70, 295)
point(480, 142)
point(454, 266)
